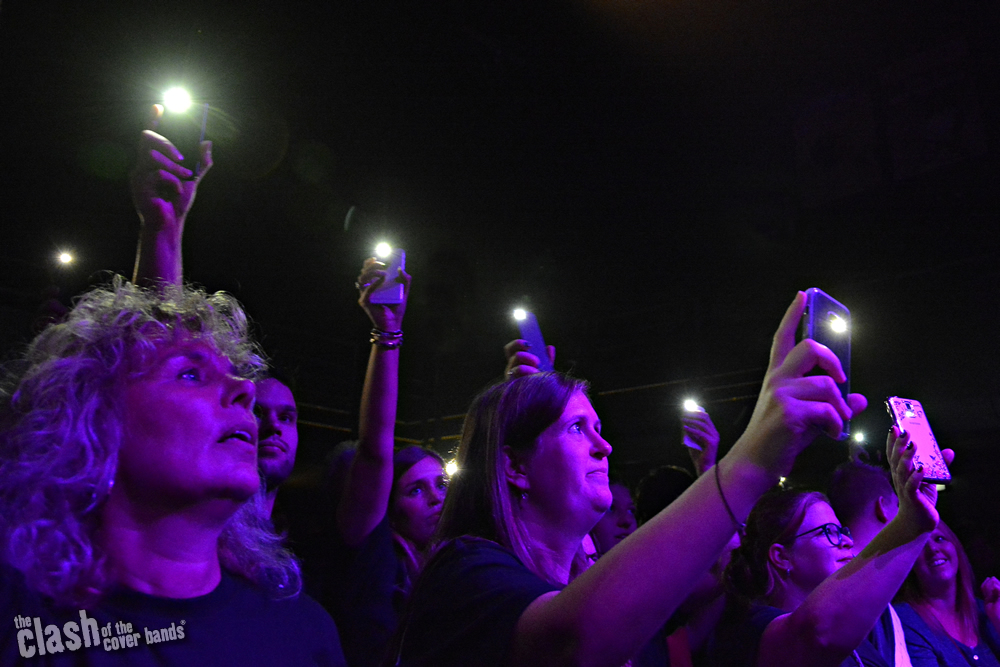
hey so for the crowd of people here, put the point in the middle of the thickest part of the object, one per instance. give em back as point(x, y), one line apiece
point(144, 438)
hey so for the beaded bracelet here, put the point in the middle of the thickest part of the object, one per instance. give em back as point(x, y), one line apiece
point(741, 527)
point(389, 340)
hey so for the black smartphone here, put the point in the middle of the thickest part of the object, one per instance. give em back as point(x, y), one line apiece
point(186, 131)
point(530, 331)
point(391, 291)
point(827, 321)
point(908, 415)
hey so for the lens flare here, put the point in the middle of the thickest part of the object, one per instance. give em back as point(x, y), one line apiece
point(838, 324)
point(691, 405)
point(177, 100)
point(65, 258)
point(383, 250)
point(520, 314)
point(451, 467)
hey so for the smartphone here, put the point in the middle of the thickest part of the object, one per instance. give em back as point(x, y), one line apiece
point(827, 321)
point(186, 131)
point(691, 406)
point(391, 291)
point(536, 344)
point(908, 415)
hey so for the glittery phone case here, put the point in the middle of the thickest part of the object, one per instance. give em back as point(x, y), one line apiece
point(908, 415)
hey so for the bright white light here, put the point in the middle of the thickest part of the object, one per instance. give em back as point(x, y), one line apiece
point(691, 405)
point(520, 314)
point(65, 258)
point(940, 487)
point(383, 250)
point(859, 436)
point(177, 100)
point(838, 324)
point(451, 467)
point(781, 480)
point(908, 413)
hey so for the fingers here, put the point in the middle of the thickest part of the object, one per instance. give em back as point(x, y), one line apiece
point(784, 337)
point(948, 455)
point(857, 403)
point(516, 345)
point(155, 114)
point(205, 158)
point(808, 355)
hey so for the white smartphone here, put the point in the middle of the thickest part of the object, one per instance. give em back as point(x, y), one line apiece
point(908, 415)
point(391, 291)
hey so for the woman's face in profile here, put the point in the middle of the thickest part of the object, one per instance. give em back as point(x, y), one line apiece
point(813, 556)
point(938, 562)
point(568, 470)
point(189, 432)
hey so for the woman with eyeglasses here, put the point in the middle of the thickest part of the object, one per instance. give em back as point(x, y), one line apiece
point(800, 594)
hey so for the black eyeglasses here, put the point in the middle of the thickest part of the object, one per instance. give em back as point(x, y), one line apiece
point(832, 532)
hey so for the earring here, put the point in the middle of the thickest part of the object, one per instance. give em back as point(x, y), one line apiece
point(524, 496)
point(788, 571)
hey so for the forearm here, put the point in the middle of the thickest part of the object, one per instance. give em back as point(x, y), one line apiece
point(369, 482)
point(611, 610)
point(158, 255)
point(839, 614)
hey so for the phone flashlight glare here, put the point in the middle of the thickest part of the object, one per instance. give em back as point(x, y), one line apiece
point(177, 100)
point(520, 314)
point(691, 405)
point(837, 323)
point(383, 250)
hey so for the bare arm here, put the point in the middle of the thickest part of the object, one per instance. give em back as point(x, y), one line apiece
point(837, 616)
point(365, 500)
point(610, 611)
point(163, 192)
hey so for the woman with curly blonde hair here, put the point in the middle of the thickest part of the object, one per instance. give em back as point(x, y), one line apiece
point(129, 491)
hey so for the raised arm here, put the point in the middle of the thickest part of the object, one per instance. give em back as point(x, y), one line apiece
point(163, 192)
point(365, 499)
point(836, 617)
point(610, 611)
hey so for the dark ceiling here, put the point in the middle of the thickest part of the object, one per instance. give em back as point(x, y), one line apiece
point(653, 179)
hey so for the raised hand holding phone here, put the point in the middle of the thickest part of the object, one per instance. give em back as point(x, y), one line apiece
point(385, 316)
point(391, 289)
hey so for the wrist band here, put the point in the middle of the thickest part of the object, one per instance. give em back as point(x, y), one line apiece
point(390, 340)
point(741, 527)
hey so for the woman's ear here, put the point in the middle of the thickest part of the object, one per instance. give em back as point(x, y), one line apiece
point(514, 469)
point(779, 557)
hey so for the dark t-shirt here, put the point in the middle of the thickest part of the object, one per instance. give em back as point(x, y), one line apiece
point(736, 641)
point(928, 648)
point(466, 604)
point(365, 591)
point(236, 624)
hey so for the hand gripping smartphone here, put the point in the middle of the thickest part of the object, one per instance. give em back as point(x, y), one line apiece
point(908, 415)
point(186, 131)
point(391, 291)
point(536, 344)
point(827, 321)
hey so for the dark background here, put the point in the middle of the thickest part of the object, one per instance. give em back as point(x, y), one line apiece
point(654, 180)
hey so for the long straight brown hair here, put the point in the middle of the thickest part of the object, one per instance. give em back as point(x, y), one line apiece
point(965, 597)
point(511, 414)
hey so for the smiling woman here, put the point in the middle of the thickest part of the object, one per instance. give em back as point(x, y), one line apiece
point(129, 487)
point(944, 622)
